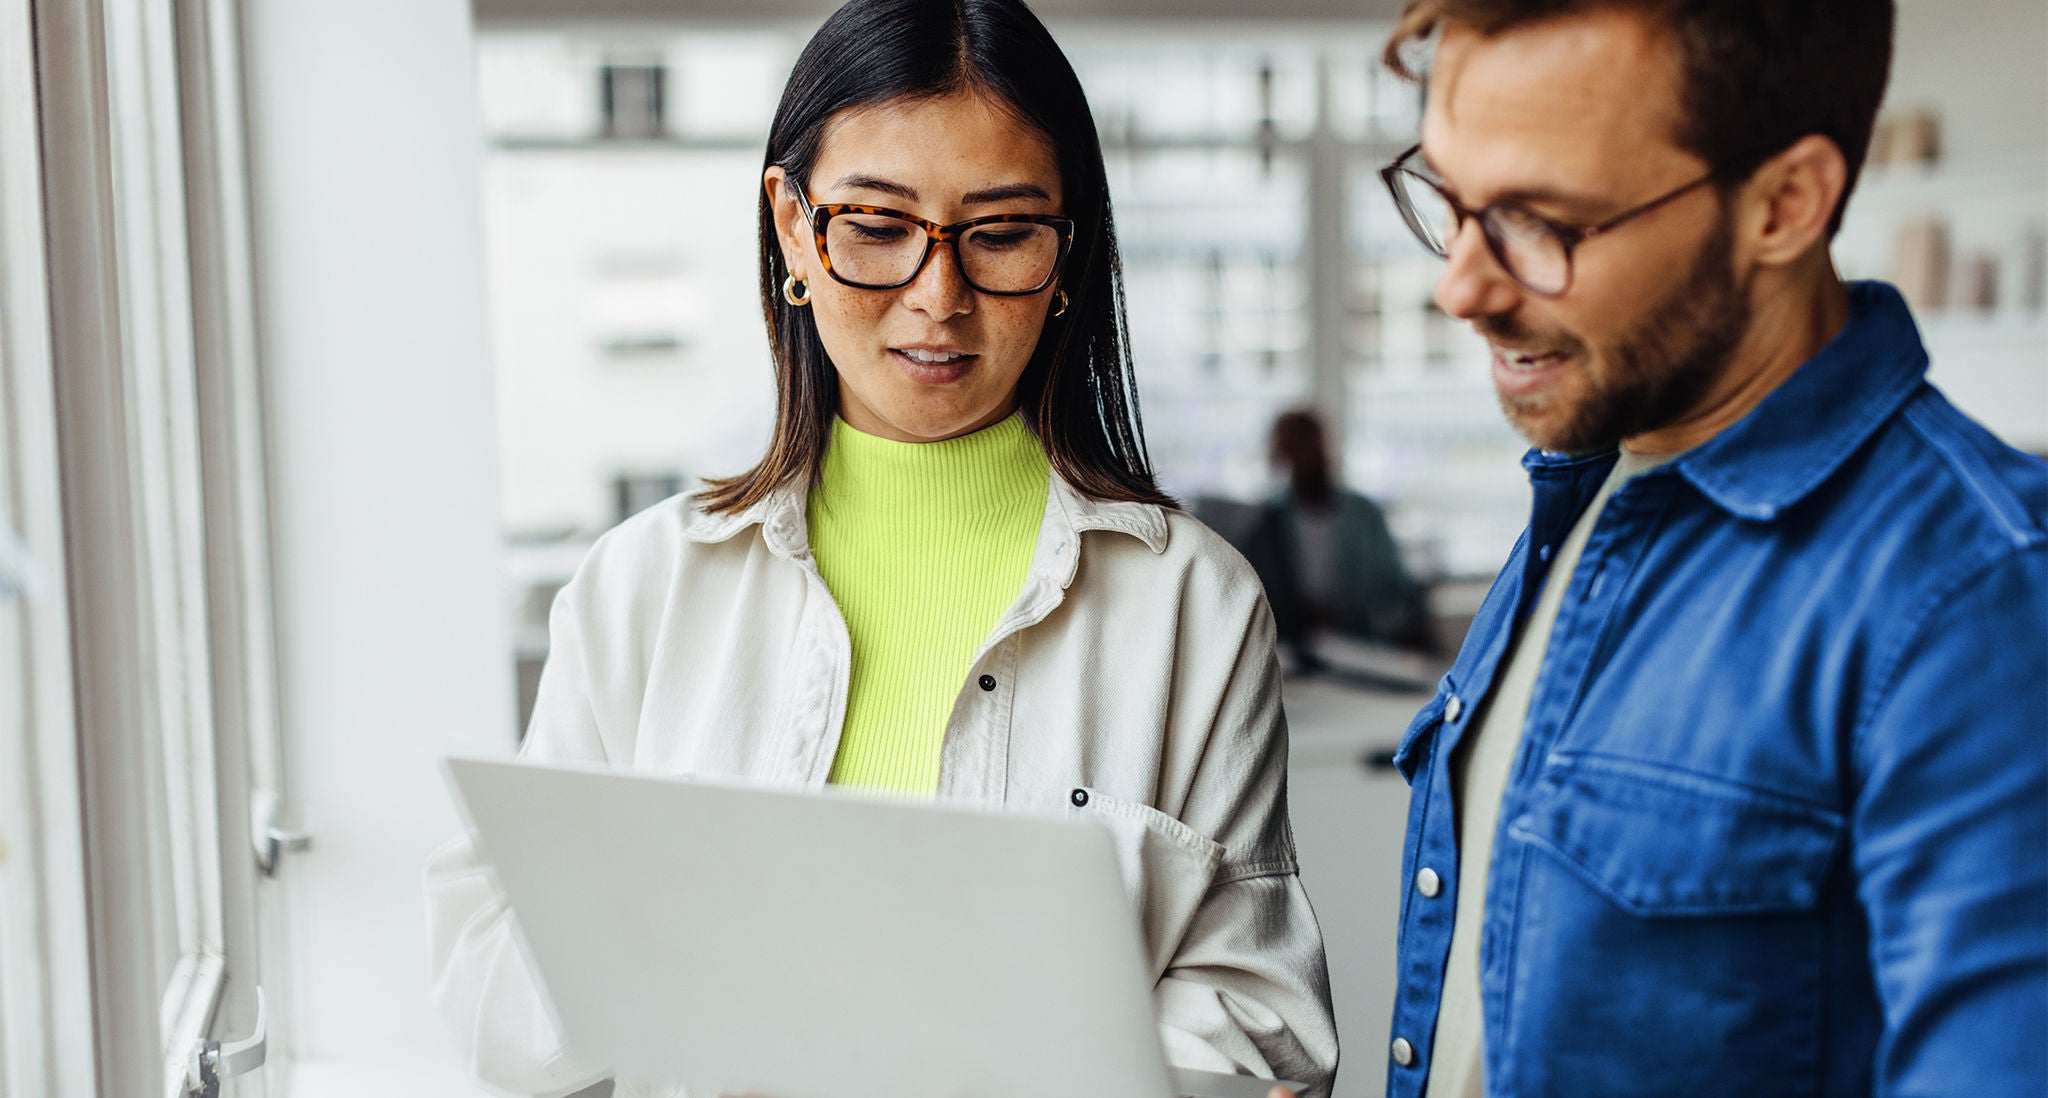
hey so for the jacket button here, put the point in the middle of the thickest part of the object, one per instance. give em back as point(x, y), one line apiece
point(1080, 798)
point(988, 682)
point(1428, 883)
point(1404, 1053)
point(1453, 708)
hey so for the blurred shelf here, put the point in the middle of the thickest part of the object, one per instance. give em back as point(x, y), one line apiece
point(1943, 181)
point(1959, 327)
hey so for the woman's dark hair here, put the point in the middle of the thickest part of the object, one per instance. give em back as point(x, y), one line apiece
point(1077, 393)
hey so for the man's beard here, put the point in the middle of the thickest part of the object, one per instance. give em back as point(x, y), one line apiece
point(1655, 374)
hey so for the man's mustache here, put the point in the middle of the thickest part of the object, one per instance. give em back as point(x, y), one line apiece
point(1506, 328)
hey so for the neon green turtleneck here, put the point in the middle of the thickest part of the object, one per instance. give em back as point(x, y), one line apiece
point(923, 545)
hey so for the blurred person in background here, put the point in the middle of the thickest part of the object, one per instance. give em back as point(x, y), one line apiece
point(1330, 562)
point(952, 575)
point(1740, 781)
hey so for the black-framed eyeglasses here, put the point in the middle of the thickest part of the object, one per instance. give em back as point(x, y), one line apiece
point(1534, 250)
point(877, 248)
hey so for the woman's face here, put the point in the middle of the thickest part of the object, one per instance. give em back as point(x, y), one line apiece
point(934, 359)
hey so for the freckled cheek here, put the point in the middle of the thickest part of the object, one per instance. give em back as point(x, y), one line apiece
point(1017, 327)
point(849, 323)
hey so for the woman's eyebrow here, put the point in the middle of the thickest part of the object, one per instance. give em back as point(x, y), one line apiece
point(1004, 193)
point(875, 183)
point(982, 197)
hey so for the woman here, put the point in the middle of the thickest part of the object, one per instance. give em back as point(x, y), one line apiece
point(952, 573)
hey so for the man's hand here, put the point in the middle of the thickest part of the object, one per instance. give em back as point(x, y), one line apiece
point(1280, 1092)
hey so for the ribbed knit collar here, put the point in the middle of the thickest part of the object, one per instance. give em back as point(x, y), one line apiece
point(989, 469)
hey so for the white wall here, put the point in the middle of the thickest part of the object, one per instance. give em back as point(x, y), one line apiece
point(594, 245)
point(365, 160)
point(1983, 64)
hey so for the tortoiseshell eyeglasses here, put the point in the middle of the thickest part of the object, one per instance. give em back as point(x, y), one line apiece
point(876, 248)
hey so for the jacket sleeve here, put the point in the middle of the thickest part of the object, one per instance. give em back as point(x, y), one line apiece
point(1948, 838)
point(483, 984)
point(1248, 987)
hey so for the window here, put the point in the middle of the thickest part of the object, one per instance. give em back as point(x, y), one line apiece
point(144, 649)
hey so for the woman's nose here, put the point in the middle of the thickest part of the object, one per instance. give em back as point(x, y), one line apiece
point(940, 290)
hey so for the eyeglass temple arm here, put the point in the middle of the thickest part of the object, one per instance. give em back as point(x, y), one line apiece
point(1626, 216)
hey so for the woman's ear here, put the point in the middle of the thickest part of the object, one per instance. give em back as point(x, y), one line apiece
point(789, 220)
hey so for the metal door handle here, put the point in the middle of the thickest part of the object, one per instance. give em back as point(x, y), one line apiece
point(271, 841)
point(274, 843)
point(213, 1061)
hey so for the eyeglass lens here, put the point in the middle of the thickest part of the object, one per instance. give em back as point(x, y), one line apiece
point(878, 250)
point(1527, 247)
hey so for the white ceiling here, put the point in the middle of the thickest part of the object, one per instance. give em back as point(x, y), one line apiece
point(489, 11)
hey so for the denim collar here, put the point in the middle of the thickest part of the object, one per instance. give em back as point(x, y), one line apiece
point(1806, 428)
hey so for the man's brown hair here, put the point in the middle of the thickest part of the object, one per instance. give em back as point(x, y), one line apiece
point(1758, 74)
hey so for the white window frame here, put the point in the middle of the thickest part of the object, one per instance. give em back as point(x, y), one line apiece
point(46, 1006)
point(121, 343)
point(234, 470)
point(127, 361)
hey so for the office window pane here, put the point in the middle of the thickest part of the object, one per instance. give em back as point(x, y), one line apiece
point(1424, 434)
point(1218, 302)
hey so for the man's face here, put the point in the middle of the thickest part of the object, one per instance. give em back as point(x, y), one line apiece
point(1576, 118)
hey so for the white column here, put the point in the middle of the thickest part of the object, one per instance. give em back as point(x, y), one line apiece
point(365, 152)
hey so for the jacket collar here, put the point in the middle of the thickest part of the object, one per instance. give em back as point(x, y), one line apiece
point(1792, 442)
point(1809, 426)
point(780, 515)
point(1144, 521)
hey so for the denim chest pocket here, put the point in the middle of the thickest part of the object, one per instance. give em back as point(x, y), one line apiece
point(1679, 912)
point(1655, 840)
point(1167, 867)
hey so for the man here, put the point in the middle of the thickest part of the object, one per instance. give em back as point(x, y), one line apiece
point(1739, 785)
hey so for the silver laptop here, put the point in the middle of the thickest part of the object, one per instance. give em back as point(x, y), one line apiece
point(800, 945)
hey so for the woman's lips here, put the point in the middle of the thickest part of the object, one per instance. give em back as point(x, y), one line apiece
point(929, 366)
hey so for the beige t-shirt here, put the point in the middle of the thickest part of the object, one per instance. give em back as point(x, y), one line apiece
point(1480, 775)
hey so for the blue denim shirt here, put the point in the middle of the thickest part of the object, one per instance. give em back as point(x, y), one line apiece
point(1778, 823)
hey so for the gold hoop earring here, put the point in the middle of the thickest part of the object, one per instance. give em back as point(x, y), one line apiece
point(792, 295)
point(1059, 303)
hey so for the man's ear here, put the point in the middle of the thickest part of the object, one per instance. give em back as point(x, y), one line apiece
point(1787, 203)
point(789, 217)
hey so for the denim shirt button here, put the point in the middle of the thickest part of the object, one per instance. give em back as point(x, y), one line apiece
point(1428, 883)
point(1404, 1053)
point(1453, 708)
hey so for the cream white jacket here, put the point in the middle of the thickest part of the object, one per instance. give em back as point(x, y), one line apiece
point(1136, 664)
